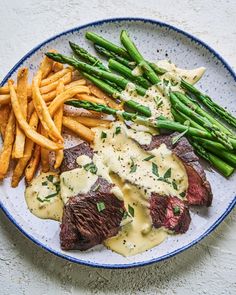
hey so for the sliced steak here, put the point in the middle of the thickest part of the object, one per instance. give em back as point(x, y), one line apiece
point(71, 154)
point(199, 189)
point(89, 219)
point(170, 212)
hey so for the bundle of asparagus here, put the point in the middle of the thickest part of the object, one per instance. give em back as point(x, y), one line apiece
point(209, 137)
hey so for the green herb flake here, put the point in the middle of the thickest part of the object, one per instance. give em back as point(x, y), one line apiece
point(176, 210)
point(131, 210)
point(155, 169)
point(118, 130)
point(164, 180)
point(91, 167)
point(174, 185)
point(51, 196)
point(103, 135)
point(182, 195)
point(50, 178)
point(133, 167)
point(40, 200)
point(44, 183)
point(100, 206)
point(149, 158)
point(167, 173)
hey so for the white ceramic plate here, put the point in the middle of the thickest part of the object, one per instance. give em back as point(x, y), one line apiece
point(156, 41)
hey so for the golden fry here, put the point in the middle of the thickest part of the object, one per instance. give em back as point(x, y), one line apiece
point(67, 94)
point(43, 111)
point(92, 122)
point(54, 77)
point(49, 96)
point(33, 164)
point(100, 94)
point(46, 65)
point(44, 154)
point(58, 122)
point(22, 82)
point(29, 145)
point(5, 155)
point(56, 67)
point(50, 87)
point(90, 98)
point(29, 132)
point(79, 82)
point(5, 99)
point(4, 115)
point(78, 128)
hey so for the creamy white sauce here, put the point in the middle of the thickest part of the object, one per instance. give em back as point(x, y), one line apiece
point(157, 96)
point(43, 197)
point(77, 181)
point(120, 155)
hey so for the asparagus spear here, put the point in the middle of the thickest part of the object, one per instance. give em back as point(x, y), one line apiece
point(120, 59)
point(219, 164)
point(160, 122)
point(208, 102)
point(107, 76)
point(213, 129)
point(125, 62)
point(195, 107)
point(138, 58)
point(212, 146)
point(126, 72)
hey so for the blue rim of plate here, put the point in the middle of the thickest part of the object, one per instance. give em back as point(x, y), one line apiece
point(168, 255)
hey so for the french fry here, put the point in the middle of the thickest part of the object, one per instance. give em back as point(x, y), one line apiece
point(79, 82)
point(49, 96)
point(64, 96)
point(58, 122)
point(29, 145)
point(43, 111)
point(92, 122)
point(56, 67)
point(5, 155)
point(4, 115)
point(54, 77)
point(100, 94)
point(29, 132)
point(50, 87)
point(78, 128)
point(33, 164)
point(46, 65)
point(5, 99)
point(22, 81)
point(44, 154)
point(5, 90)
point(30, 109)
point(90, 98)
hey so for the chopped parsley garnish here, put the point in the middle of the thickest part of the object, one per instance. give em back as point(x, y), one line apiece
point(166, 82)
point(167, 173)
point(44, 183)
point(164, 180)
point(131, 210)
point(155, 169)
point(133, 167)
point(182, 195)
point(91, 167)
point(176, 210)
point(174, 185)
point(40, 200)
point(158, 101)
point(103, 135)
point(50, 178)
point(176, 138)
point(149, 158)
point(118, 130)
point(100, 206)
point(51, 196)
point(96, 188)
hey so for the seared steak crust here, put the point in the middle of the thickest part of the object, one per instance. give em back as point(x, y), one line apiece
point(199, 189)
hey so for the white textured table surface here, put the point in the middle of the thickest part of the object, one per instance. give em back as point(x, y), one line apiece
point(209, 267)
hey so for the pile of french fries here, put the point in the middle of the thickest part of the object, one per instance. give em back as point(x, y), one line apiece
point(32, 117)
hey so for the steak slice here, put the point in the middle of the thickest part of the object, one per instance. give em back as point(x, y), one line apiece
point(199, 189)
point(71, 154)
point(170, 212)
point(88, 219)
